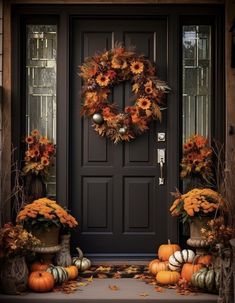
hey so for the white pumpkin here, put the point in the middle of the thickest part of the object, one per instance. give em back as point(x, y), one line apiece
point(178, 258)
point(80, 262)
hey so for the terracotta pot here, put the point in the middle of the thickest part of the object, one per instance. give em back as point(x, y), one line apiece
point(13, 275)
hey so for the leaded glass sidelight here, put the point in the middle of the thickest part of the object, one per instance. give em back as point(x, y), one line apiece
point(196, 80)
point(41, 52)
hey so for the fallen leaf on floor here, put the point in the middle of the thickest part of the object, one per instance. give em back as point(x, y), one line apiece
point(67, 287)
point(143, 294)
point(102, 276)
point(117, 275)
point(113, 287)
point(90, 279)
point(131, 269)
point(159, 289)
point(104, 269)
point(82, 283)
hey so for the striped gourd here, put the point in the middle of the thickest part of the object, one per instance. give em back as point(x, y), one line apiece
point(207, 279)
point(178, 258)
point(59, 273)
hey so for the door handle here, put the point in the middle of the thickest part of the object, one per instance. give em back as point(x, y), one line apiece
point(161, 179)
point(161, 161)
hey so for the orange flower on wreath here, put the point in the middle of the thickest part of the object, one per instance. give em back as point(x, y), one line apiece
point(148, 87)
point(102, 80)
point(143, 103)
point(137, 67)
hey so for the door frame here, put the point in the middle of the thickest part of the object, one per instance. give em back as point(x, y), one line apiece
point(176, 15)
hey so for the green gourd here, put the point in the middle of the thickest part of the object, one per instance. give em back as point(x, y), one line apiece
point(207, 279)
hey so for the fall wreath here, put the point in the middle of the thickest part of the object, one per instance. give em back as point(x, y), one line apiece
point(101, 73)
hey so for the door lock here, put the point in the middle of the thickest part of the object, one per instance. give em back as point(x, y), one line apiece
point(161, 137)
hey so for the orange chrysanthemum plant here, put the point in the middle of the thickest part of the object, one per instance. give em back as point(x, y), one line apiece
point(46, 212)
point(40, 154)
point(197, 159)
point(101, 73)
point(196, 203)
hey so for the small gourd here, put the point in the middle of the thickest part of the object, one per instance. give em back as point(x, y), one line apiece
point(80, 262)
point(189, 269)
point(203, 259)
point(178, 258)
point(207, 279)
point(41, 281)
point(166, 277)
point(72, 271)
point(59, 273)
point(166, 250)
point(156, 265)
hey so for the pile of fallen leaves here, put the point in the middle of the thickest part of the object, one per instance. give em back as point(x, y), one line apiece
point(73, 285)
point(115, 271)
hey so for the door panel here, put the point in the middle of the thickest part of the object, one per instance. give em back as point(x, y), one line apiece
point(114, 188)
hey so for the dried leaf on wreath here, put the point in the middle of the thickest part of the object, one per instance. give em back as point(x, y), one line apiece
point(113, 287)
point(117, 275)
point(135, 88)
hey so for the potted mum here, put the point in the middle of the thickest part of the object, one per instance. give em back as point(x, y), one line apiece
point(39, 158)
point(197, 207)
point(46, 218)
point(15, 243)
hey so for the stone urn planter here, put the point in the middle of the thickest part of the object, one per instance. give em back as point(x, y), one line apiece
point(196, 240)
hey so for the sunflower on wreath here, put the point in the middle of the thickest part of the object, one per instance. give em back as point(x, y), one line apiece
point(105, 70)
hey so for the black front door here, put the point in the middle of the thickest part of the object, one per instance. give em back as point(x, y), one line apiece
point(115, 192)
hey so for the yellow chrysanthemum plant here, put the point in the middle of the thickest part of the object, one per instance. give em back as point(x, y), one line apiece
point(45, 213)
point(196, 203)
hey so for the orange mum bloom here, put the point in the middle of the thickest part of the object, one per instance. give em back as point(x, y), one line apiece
point(45, 161)
point(35, 133)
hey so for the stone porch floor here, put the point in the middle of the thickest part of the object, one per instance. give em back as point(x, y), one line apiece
point(130, 291)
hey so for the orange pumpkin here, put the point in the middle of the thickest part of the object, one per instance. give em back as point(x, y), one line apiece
point(167, 277)
point(41, 281)
point(189, 269)
point(72, 272)
point(204, 259)
point(166, 250)
point(156, 265)
point(39, 266)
